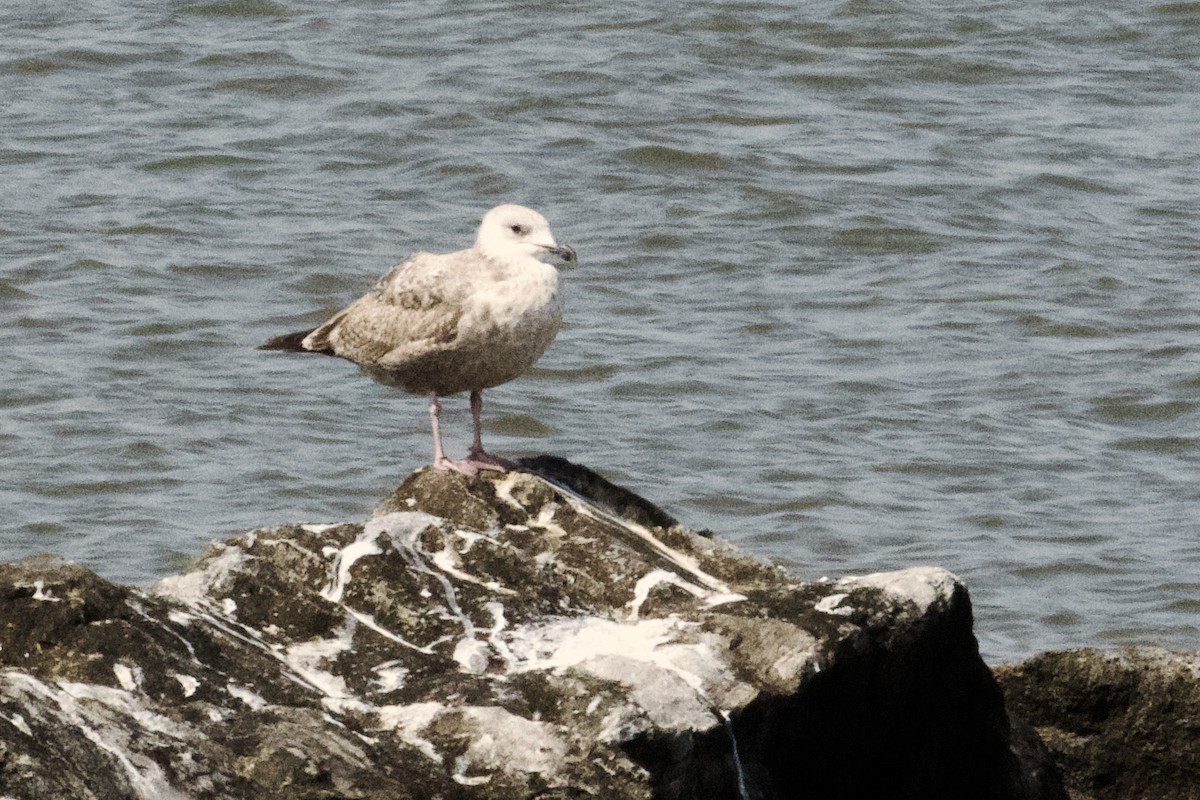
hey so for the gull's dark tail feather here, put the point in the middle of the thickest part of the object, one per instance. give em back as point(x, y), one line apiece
point(291, 343)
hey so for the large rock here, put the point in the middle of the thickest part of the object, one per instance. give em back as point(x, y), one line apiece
point(503, 637)
point(1122, 726)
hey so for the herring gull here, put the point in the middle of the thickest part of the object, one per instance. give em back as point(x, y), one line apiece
point(444, 323)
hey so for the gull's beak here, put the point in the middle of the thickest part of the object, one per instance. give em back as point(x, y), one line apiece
point(562, 253)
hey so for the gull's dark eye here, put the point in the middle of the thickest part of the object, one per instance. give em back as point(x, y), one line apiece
point(517, 229)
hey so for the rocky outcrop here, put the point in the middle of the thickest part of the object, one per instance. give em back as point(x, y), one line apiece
point(1122, 726)
point(509, 636)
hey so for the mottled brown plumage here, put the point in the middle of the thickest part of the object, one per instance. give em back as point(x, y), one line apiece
point(440, 324)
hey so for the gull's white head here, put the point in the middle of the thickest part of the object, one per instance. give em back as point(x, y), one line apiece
point(514, 233)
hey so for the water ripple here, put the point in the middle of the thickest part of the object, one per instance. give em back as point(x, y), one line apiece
point(860, 285)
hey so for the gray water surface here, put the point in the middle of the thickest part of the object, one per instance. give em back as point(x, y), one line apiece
point(862, 285)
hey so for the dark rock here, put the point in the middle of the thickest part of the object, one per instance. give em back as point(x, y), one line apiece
point(1120, 725)
point(616, 500)
point(500, 637)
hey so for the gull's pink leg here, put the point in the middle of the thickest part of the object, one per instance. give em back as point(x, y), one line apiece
point(476, 456)
point(439, 456)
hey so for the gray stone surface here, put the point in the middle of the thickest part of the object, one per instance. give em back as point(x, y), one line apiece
point(1121, 725)
point(499, 637)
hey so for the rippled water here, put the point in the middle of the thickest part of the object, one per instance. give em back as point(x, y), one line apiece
point(863, 284)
